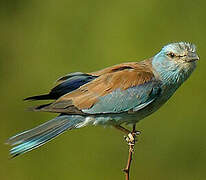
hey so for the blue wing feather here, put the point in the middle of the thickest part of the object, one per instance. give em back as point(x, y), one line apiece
point(72, 83)
point(120, 101)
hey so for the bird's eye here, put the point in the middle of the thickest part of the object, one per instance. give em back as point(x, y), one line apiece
point(172, 55)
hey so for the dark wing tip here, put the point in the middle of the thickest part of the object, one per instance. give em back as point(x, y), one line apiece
point(39, 97)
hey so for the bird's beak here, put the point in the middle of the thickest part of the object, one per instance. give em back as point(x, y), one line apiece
point(192, 57)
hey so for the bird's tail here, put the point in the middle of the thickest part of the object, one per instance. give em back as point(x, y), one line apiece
point(33, 138)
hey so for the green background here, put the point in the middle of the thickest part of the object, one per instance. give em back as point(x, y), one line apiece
point(43, 40)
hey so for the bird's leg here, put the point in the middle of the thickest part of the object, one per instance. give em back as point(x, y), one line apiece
point(124, 130)
point(130, 138)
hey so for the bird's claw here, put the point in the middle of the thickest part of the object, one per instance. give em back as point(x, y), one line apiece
point(131, 138)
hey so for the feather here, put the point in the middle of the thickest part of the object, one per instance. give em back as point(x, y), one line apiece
point(33, 138)
point(65, 85)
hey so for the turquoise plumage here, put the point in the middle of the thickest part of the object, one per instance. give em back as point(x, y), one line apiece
point(124, 93)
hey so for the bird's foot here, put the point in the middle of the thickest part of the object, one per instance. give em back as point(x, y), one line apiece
point(131, 138)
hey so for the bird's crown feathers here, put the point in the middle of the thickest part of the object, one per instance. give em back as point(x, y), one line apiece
point(179, 48)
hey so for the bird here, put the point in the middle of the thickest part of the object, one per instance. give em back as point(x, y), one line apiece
point(117, 95)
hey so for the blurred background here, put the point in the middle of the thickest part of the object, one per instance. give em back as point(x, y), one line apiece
point(43, 40)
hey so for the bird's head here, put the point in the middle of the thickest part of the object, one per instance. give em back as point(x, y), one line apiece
point(181, 52)
point(176, 58)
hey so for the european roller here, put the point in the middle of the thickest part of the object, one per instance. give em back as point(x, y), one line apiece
point(121, 94)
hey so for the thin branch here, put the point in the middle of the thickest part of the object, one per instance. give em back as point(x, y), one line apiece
point(131, 140)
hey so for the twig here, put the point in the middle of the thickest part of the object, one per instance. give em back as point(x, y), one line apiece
point(131, 152)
